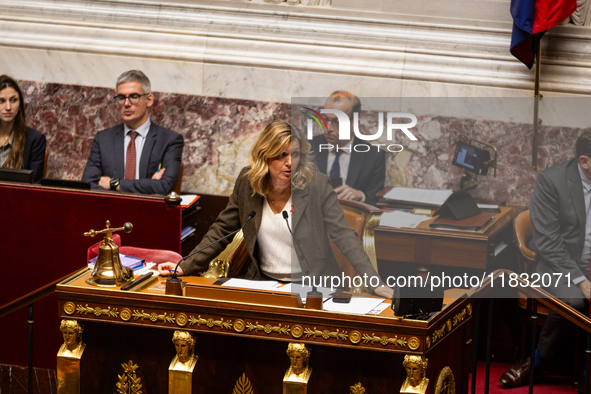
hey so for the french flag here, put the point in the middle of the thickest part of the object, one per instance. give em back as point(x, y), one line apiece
point(531, 19)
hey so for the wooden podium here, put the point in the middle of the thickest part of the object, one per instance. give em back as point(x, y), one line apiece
point(242, 345)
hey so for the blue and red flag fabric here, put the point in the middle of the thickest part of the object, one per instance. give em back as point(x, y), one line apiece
point(531, 19)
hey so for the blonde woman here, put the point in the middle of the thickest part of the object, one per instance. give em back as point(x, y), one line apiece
point(281, 177)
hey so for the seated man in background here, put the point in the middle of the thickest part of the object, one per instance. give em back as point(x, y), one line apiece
point(136, 156)
point(561, 236)
point(363, 174)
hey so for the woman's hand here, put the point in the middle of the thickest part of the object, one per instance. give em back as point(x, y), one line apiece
point(164, 268)
point(384, 291)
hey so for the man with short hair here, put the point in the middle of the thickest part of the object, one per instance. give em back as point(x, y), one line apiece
point(561, 236)
point(361, 173)
point(136, 156)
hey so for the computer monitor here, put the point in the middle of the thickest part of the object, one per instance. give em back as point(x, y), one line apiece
point(471, 158)
point(12, 175)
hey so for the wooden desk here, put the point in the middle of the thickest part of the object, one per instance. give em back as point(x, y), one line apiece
point(241, 338)
point(466, 249)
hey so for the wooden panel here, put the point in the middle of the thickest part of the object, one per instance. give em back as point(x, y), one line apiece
point(397, 247)
point(459, 253)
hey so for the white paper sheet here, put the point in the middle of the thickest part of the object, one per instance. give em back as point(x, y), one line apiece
point(359, 305)
point(251, 284)
point(400, 219)
point(422, 196)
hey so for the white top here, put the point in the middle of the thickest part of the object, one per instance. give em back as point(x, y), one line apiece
point(142, 133)
point(276, 254)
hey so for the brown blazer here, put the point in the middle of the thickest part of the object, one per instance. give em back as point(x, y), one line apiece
point(316, 213)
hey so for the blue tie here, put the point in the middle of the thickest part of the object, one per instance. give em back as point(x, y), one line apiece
point(335, 171)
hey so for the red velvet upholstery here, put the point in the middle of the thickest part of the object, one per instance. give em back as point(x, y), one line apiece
point(157, 256)
point(42, 229)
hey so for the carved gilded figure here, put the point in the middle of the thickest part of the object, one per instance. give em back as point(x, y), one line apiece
point(72, 333)
point(416, 368)
point(299, 356)
point(184, 344)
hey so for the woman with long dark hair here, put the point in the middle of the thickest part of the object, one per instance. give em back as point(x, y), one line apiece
point(21, 147)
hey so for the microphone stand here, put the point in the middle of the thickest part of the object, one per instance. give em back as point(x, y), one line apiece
point(173, 284)
point(313, 297)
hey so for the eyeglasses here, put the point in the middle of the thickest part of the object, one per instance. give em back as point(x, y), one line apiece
point(134, 98)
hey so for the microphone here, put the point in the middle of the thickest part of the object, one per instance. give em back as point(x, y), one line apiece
point(314, 297)
point(175, 280)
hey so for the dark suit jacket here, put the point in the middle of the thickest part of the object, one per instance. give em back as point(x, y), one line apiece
point(161, 146)
point(558, 219)
point(316, 213)
point(367, 170)
point(34, 153)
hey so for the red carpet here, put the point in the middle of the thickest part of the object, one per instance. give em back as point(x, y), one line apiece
point(545, 384)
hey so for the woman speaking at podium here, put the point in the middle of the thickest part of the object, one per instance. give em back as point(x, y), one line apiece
point(21, 147)
point(281, 181)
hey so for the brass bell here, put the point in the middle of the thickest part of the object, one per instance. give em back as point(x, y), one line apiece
point(108, 270)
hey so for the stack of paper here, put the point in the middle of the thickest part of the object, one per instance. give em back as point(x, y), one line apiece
point(400, 219)
point(418, 196)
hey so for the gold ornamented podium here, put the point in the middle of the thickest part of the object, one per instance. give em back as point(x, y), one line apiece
point(245, 333)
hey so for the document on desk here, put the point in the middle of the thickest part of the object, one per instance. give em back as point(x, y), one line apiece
point(419, 196)
point(399, 219)
point(251, 284)
point(358, 305)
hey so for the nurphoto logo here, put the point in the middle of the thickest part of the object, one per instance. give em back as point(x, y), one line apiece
point(344, 127)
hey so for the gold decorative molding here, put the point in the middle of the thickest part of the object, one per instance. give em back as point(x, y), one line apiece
point(128, 382)
point(338, 334)
point(181, 319)
point(153, 317)
point(355, 337)
point(448, 323)
point(125, 314)
point(242, 386)
point(297, 331)
point(267, 328)
point(384, 340)
point(97, 311)
point(438, 334)
point(414, 343)
point(469, 309)
point(210, 322)
point(357, 389)
point(239, 325)
point(446, 383)
point(69, 308)
point(459, 317)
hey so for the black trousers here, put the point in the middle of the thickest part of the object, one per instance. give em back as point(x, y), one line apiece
point(557, 329)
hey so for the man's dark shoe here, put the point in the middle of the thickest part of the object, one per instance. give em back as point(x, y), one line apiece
point(516, 376)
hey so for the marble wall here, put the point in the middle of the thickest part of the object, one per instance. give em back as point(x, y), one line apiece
point(219, 133)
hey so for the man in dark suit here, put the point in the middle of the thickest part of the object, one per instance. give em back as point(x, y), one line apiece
point(137, 156)
point(362, 173)
point(561, 236)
